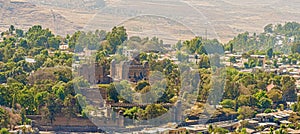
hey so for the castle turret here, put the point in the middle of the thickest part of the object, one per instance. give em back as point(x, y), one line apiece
point(178, 111)
point(113, 69)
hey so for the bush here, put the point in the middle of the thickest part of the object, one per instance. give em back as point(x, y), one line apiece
point(268, 110)
point(245, 112)
point(4, 131)
point(221, 130)
point(228, 103)
point(281, 107)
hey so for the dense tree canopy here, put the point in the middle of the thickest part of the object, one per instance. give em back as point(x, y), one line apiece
point(36, 75)
point(279, 37)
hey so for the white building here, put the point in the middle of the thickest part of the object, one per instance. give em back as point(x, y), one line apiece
point(130, 53)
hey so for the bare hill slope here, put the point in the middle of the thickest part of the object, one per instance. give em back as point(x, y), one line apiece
point(168, 19)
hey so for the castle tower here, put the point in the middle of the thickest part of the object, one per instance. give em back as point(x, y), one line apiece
point(113, 69)
point(146, 70)
point(178, 111)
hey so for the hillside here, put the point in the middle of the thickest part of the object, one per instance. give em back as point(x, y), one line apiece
point(222, 19)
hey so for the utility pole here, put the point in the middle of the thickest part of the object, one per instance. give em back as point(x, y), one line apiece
point(206, 24)
point(54, 21)
point(206, 33)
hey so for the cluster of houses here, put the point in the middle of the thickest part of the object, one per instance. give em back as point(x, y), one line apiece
point(162, 130)
point(281, 69)
point(264, 122)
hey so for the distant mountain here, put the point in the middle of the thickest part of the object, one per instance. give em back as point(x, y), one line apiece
point(72, 4)
point(222, 19)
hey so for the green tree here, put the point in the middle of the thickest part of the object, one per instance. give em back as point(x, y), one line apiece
point(53, 107)
point(232, 90)
point(270, 53)
point(38, 37)
point(243, 131)
point(294, 61)
point(116, 37)
point(178, 45)
point(4, 131)
point(232, 59)
point(245, 112)
point(288, 88)
point(295, 48)
point(69, 108)
point(73, 42)
point(53, 42)
point(182, 57)
point(19, 32)
point(132, 113)
point(280, 131)
point(204, 61)
point(210, 128)
point(23, 43)
point(49, 63)
point(26, 101)
point(4, 118)
point(39, 100)
point(81, 103)
point(247, 100)
point(260, 94)
point(268, 28)
point(154, 110)
point(126, 94)
point(220, 130)
point(4, 94)
point(59, 91)
point(141, 85)
point(11, 29)
point(113, 93)
point(274, 95)
point(193, 45)
point(265, 102)
point(231, 48)
point(275, 63)
point(228, 103)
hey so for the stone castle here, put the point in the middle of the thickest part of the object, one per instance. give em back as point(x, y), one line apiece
point(132, 70)
point(94, 73)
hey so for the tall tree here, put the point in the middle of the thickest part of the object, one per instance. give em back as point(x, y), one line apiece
point(69, 106)
point(270, 53)
point(295, 48)
point(53, 106)
point(231, 48)
point(245, 112)
point(154, 110)
point(288, 88)
point(268, 28)
point(116, 37)
point(11, 29)
point(4, 118)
